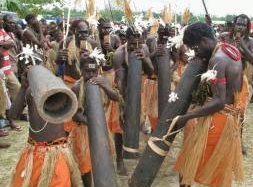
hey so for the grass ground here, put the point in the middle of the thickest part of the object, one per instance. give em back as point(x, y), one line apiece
point(165, 178)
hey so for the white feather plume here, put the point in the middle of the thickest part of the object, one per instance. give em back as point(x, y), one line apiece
point(173, 97)
point(93, 20)
point(177, 40)
point(209, 75)
point(27, 53)
point(98, 55)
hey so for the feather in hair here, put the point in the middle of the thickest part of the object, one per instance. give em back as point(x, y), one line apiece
point(149, 14)
point(91, 10)
point(127, 10)
point(185, 16)
point(166, 14)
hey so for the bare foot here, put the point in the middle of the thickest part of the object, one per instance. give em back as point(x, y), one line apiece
point(14, 126)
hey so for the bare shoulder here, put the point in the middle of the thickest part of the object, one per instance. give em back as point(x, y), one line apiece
point(115, 37)
point(119, 51)
point(250, 42)
point(226, 63)
point(27, 33)
point(224, 36)
point(219, 60)
point(119, 56)
point(145, 48)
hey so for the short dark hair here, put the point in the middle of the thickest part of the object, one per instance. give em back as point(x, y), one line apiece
point(6, 17)
point(229, 23)
point(195, 32)
point(101, 21)
point(75, 24)
point(244, 16)
point(29, 17)
point(121, 33)
point(132, 32)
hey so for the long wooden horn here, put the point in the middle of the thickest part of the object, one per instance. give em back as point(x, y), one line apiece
point(132, 109)
point(102, 163)
point(55, 102)
point(156, 151)
point(164, 74)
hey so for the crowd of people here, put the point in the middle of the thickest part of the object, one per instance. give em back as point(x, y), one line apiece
point(59, 154)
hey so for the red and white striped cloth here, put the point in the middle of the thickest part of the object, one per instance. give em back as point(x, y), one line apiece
point(4, 37)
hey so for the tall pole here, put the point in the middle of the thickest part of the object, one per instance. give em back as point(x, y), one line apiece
point(110, 10)
point(175, 18)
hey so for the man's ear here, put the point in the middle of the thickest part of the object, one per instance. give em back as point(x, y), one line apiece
point(205, 41)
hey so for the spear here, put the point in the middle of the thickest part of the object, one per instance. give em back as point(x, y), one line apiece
point(110, 10)
point(204, 4)
point(67, 29)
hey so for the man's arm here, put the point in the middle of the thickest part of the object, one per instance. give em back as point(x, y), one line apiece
point(218, 100)
point(247, 51)
point(147, 63)
point(118, 59)
point(7, 43)
point(117, 42)
point(18, 104)
point(104, 84)
point(28, 35)
point(79, 115)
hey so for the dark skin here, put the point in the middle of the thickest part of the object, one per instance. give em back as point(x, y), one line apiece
point(81, 33)
point(91, 75)
point(34, 34)
point(137, 46)
point(2, 132)
point(157, 46)
point(51, 131)
point(13, 30)
point(9, 24)
point(239, 38)
point(103, 83)
point(223, 93)
point(5, 44)
point(114, 43)
point(109, 43)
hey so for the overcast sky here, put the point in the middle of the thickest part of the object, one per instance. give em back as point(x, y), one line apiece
point(215, 7)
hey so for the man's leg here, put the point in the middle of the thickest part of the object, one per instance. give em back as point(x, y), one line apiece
point(12, 85)
point(87, 179)
point(11, 122)
point(121, 169)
